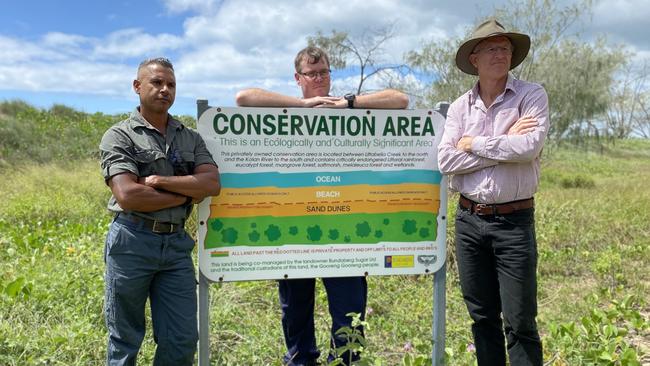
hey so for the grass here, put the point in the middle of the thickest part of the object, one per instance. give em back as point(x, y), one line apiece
point(593, 238)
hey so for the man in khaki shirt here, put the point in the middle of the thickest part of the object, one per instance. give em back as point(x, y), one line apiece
point(156, 169)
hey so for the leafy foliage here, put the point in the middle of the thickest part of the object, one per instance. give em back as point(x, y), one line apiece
point(593, 243)
point(364, 51)
point(58, 134)
point(355, 344)
point(578, 76)
point(600, 338)
point(61, 133)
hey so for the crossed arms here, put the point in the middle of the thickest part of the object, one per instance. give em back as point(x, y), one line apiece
point(385, 99)
point(156, 192)
point(522, 140)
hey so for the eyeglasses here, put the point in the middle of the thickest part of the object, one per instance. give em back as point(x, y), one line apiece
point(495, 49)
point(313, 74)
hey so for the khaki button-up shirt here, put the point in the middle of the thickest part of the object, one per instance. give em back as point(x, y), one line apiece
point(135, 146)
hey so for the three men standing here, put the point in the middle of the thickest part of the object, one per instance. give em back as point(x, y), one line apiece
point(156, 169)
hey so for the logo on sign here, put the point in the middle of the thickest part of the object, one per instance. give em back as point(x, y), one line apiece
point(427, 260)
point(399, 261)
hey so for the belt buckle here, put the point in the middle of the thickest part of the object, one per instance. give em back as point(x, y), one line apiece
point(484, 209)
point(155, 229)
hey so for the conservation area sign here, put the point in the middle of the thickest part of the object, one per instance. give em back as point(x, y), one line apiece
point(312, 192)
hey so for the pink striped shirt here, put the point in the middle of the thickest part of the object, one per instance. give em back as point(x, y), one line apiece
point(500, 168)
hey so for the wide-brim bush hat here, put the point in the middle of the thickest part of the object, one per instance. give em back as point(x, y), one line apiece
point(487, 29)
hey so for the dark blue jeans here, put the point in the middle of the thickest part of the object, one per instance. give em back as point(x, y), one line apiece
point(140, 265)
point(497, 264)
point(344, 295)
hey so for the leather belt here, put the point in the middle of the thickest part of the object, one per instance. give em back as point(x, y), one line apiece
point(154, 226)
point(496, 209)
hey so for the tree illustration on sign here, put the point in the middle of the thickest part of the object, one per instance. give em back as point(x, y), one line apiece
point(273, 232)
point(216, 225)
point(363, 229)
point(409, 227)
point(293, 230)
point(424, 232)
point(254, 236)
point(229, 235)
point(314, 233)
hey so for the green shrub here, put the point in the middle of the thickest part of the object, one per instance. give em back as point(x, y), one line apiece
point(577, 181)
point(593, 244)
point(600, 338)
point(60, 134)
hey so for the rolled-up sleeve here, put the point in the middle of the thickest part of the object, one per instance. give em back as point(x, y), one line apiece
point(201, 153)
point(116, 156)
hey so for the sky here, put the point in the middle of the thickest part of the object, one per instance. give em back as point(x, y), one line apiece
point(84, 54)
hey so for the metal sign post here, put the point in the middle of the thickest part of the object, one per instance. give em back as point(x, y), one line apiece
point(204, 288)
point(360, 186)
point(440, 280)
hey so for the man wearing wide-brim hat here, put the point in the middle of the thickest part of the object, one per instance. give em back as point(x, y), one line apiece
point(491, 147)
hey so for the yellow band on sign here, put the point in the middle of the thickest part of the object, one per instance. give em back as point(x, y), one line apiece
point(272, 201)
point(402, 261)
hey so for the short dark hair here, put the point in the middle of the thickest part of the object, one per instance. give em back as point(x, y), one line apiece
point(162, 61)
point(312, 55)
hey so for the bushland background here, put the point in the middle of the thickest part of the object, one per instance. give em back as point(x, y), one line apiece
point(592, 226)
point(593, 216)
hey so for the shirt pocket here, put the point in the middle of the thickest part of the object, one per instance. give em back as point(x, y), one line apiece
point(506, 118)
point(182, 162)
point(148, 161)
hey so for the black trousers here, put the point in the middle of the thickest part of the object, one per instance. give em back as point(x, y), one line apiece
point(344, 295)
point(497, 264)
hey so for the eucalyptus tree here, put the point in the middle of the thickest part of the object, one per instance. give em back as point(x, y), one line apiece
point(576, 74)
point(364, 50)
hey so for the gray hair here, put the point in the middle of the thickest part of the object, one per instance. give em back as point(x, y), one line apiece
point(162, 61)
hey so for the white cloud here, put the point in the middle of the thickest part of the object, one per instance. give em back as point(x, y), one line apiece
point(225, 45)
point(620, 11)
point(131, 43)
point(15, 50)
point(266, 35)
point(229, 45)
point(58, 39)
point(623, 21)
point(69, 76)
point(59, 62)
point(179, 6)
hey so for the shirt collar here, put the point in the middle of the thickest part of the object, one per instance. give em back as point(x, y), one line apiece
point(137, 120)
point(510, 85)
